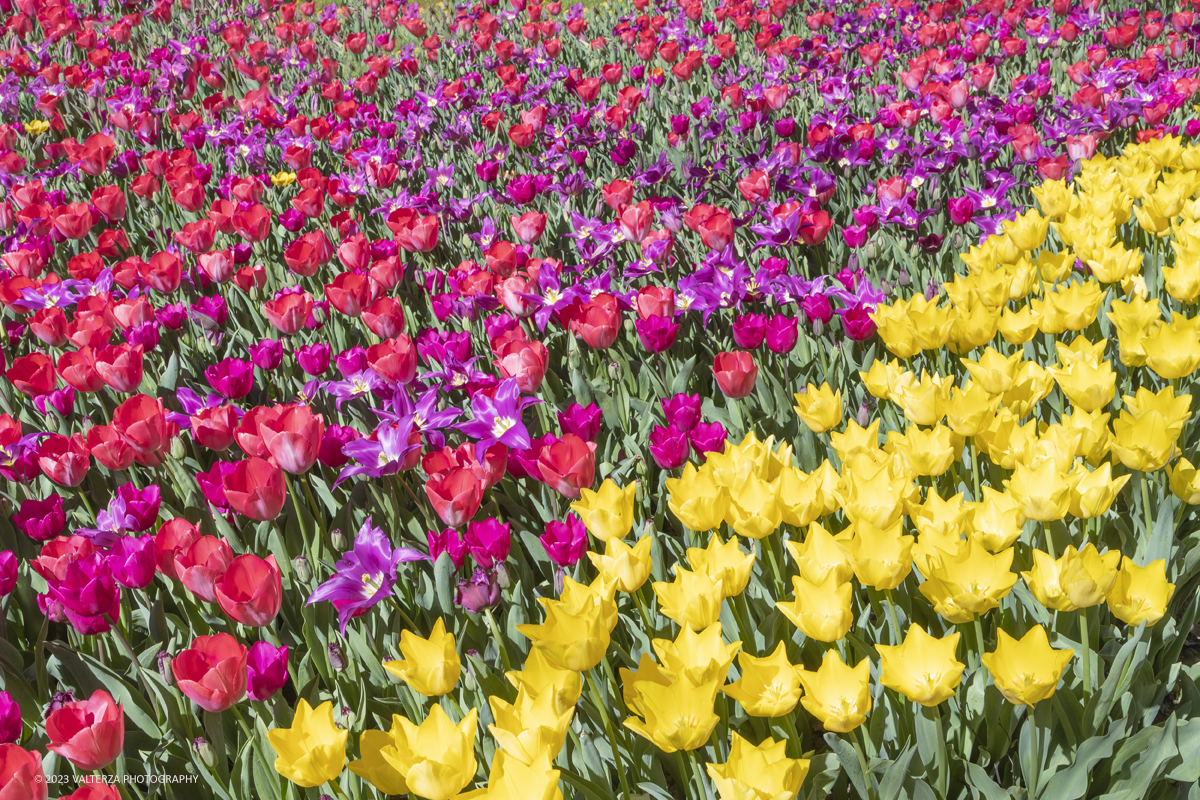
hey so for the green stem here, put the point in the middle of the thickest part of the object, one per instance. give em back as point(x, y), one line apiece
point(1034, 740)
point(637, 597)
point(942, 764)
point(412, 626)
point(499, 639)
point(337, 790)
point(975, 470)
point(612, 734)
point(979, 643)
point(1086, 641)
point(1146, 503)
point(700, 784)
point(862, 763)
point(891, 604)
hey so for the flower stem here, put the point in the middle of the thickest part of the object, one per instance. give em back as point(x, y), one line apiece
point(862, 763)
point(891, 604)
point(700, 784)
point(337, 790)
point(981, 647)
point(1146, 504)
point(1086, 641)
point(612, 735)
point(487, 612)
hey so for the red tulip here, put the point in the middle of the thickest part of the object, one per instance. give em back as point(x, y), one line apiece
point(251, 592)
point(308, 253)
point(110, 202)
point(289, 312)
point(75, 367)
point(32, 375)
point(50, 326)
point(107, 447)
point(174, 536)
point(213, 427)
point(73, 221)
point(253, 224)
point(455, 495)
point(656, 301)
point(88, 733)
point(163, 272)
point(212, 672)
point(256, 488)
point(735, 373)
point(635, 221)
point(525, 361)
point(201, 564)
point(142, 423)
point(119, 366)
point(58, 554)
point(246, 434)
point(21, 775)
point(529, 226)
point(599, 322)
point(384, 317)
point(293, 437)
point(755, 187)
point(349, 293)
point(197, 236)
point(64, 460)
point(568, 465)
point(716, 232)
point(94, 788)
point(394, 360)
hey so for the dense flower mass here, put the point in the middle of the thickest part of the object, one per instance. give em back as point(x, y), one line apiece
point(664, 398)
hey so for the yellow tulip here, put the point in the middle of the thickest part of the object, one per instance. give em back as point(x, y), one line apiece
point(1043, 493)
point(930, 324)
point(1019, 326)
point(1032, 385)
point(768, 686)
point(437, 757)
point(758, 773)
point(1173, 350)
point(1173, 408)
point(996, 521)
point(837, 695)
point(1090, 386)
point(821, 611)
point(970, 580)
point(283, 179)
point(924, 668)
point(819, 409)
point(970, 410)
point(724, 562)
point(1078, 579)
point(820, 556)
point(1054, 197)
point(1055, 267)
point(993, 372)
point(430, 666)
point(313, 750)
point(800, 497)
point(882, 557)
point(678, 716)
point(628, 567)
point(1006, 441)
point(693, 599)
point(876, 497)
point(1140, 594)
point(1028, 230)
point(696, 498)
point(1093, 493)
point(1026, 670)
point(1133, 320)
point(1143, 443)
point(648, 671)
point(1094, 435)
point(1185, 482)
point(373, 767)
point(876, 380)
point(754, 509)
point(855, 439)
point(696, 657)
point(931, 451)
point(510, 779)
point(530, 726)
point(925, 401)
point(608, 513)
point(539, 676)
point(574, 636)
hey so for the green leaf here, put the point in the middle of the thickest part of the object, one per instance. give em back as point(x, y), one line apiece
point(978, 780)
point(1188, 741)
point(1072, 783)
point(443, 579)
point(680, 382)
point(893, 779)
point(1155, 751)
point(848, 757)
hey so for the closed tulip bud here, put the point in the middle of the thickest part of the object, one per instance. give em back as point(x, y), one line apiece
point(335, 657)
point(205, 751)
point(164, 668)
point(302, 569)
point(837, 695)
point(1026, 670)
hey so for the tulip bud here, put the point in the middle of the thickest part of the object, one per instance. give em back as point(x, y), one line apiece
point(614, 370)
point(640, 470)
point(902, 278)
point(502, 577)
point(155, 224)
point(573, 358)
point(302, 569)
point(335, 657)
point(164, 668)
point(206, 752)
point(628, 325)
point(177, 449)
point(864, 416)
point(337, 539)
point(818, 327)
point(346, 718)
point(468, 674)
point(871, 250)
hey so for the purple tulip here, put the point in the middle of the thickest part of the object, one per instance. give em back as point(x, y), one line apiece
point(232, 378)
point(145, 334)
point(210, 311)
point(10, 719)
point(131, 561)
point(961, 209)
point(266, 670)
point(682, 410)
point(481, 591)
point(856, 235)
point(267, 354)
point(349, 362)
point(336, 437)
point(817, 307)
point(141, 504)
point(173, 316)
point(785, 127)
point(8, 572)
point(87, 588)
point(61, 400)
point(565, 542)
point(448, 541)
point(41, 520)
point(656, 333)
point(583, 421)
point(314, 358)
point(782, 333)
point(212, 484)
point(668, 446)
point(749, 330)
point(707, 437)
point(488, 542)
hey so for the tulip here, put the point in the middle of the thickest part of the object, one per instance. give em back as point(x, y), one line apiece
point(821, 611)
point(212, 672)
point(213, 427)
point(266, 670)
point(837, 695)
point(540, 676)
point(88, 733)
point(530, 726)
point(142, 423)
point(251, 590)
point(696, 499)
point(568, 465)
point(882, 558)
point(764, 771)
point(682, 411)
point(312, 751)
point(768, 686)
point(131, 561)
point(430, 666)
point(574, 636)
point(583, 421)
point(21, 775)
point(478, 593)
point(63, 459)
point(1026, 670)
point(564, 542)
point(608, 513)
point(677, 716)
point(293, 437)
point(511, 779)
point(820, 409)
point(455, 495)
point(232, 378)
point(10, 720)
point(1140, 594)
point(434, 760)
point(693, 599)
point(628, 567)
point(1078, 579)
point(256, 489)
point(923, 669)
point(724, 562)
point(971, 580)
point(41, 520)
point(735, 373)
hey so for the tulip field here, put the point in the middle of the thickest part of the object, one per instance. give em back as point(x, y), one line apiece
point(646, 400)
